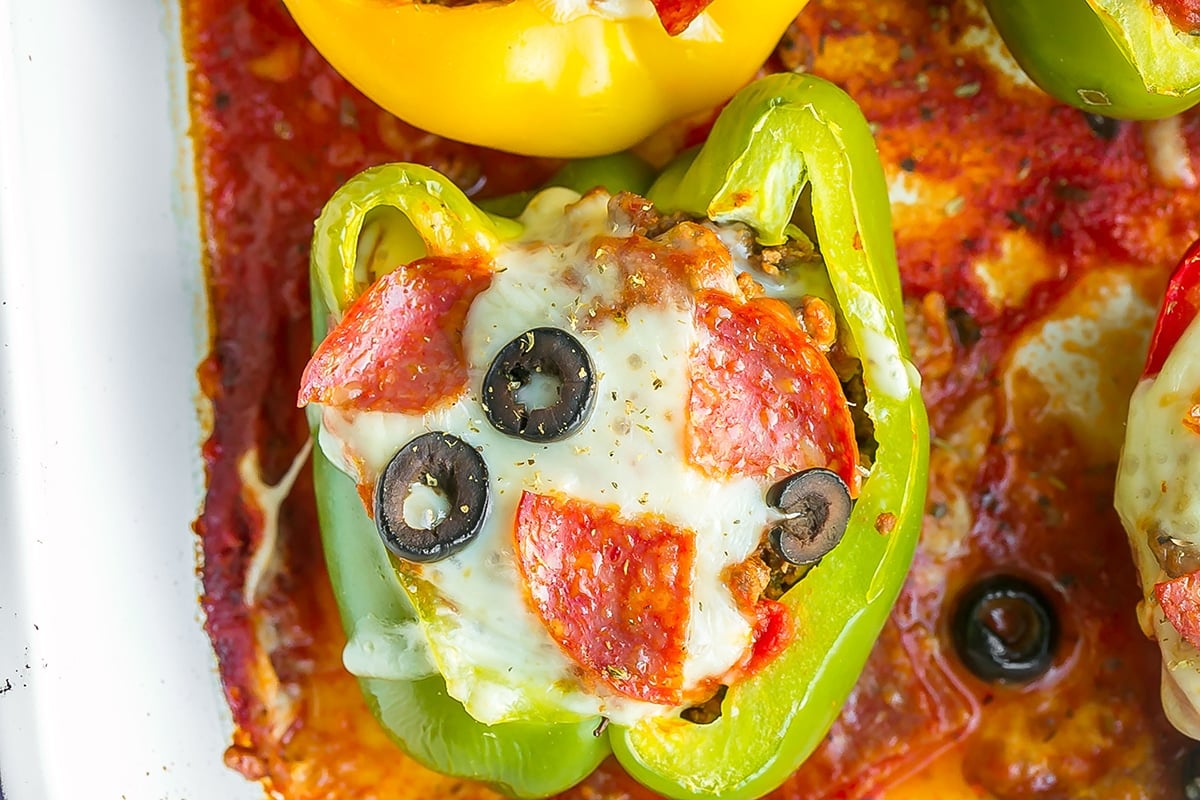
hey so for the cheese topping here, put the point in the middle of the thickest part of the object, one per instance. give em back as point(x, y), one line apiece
point(497, 657)
point(1158, 495)
point(1158, 488)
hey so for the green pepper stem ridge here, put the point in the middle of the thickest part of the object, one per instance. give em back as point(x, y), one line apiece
point(442, 222)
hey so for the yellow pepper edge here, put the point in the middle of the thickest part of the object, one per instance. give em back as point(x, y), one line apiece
point(511, 77)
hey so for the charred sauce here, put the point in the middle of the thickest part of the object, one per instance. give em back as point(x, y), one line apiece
point(276, 131)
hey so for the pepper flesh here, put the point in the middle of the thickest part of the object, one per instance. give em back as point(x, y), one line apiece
point(416, 711)
point(749, 172)
point(529, 77)
point(1118, 58)
point(777, 137)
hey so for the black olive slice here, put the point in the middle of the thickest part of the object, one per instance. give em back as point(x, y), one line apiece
point(556, 360)
point(455, 473)
point(1005, 630)
point(817, 504)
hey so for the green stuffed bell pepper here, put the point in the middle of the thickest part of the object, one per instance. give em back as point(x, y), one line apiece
point(638, 473)
point(1128, 59)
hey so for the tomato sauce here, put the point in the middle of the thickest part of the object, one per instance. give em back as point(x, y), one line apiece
point(277, 131)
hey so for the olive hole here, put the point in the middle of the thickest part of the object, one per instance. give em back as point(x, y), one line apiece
point(811, 511)
point(1009, 623)
point(425, 506)
point(538, 389)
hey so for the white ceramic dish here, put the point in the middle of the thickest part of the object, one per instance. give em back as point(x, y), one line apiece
point(108, 686)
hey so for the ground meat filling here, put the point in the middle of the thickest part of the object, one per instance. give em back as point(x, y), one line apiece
point(634, 215)
point(1176, 557)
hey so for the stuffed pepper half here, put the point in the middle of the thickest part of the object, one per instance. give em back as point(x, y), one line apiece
point(1158, 492)
point(632, 472)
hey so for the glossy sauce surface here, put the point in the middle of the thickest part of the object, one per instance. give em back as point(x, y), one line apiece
point(1033, 249)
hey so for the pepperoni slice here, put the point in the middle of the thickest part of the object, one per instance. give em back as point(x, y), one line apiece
point(1180, 306)
point(399, 346)
point(764, 400)
point(1180, 602)
point(613, 591)
point(676, 15)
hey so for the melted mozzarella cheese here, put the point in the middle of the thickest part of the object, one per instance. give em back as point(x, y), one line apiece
point(1159, 480)
point(497, 657)
point(425, 507)
point(702, 28)
point(1158, 492)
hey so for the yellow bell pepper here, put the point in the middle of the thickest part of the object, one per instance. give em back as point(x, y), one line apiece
point(562, 78)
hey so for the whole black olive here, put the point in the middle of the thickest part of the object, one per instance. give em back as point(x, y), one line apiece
point(1106, 128)
point(452, 476)
point(1005, 630)
point(817, 504)
point(546, 361)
